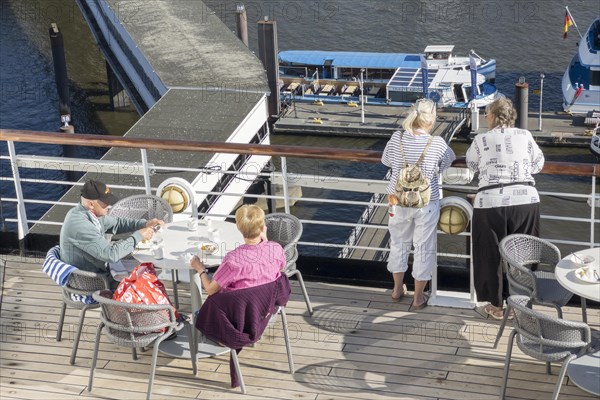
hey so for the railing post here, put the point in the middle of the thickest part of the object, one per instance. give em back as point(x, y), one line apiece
point(286, 200)
point(593, 212)
point(21, 213)
point(146, 171)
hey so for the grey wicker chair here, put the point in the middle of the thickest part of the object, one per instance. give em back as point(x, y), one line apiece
point(81, 285)
point(519, 254)
point(143, 206)
point(133, 326)
point(545, 338)
point(286, 230)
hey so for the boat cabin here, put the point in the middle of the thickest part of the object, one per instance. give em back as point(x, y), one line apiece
point(438, 52)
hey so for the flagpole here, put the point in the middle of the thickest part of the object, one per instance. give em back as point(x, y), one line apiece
point(573, 20)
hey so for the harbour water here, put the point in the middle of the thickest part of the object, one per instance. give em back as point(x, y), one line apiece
point(525, 37)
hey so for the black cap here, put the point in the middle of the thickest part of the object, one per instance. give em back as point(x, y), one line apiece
point(95, 190)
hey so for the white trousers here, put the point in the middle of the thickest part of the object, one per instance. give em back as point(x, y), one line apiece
point(414, 227)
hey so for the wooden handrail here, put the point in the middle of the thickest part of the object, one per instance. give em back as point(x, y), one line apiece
point(370, 156)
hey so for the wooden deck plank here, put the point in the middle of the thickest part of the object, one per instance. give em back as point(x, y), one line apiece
point(358, 344)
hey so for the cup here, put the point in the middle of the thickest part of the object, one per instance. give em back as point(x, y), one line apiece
point(192, 223)
point(214, 235)
point(208, 223)
point(158, 252)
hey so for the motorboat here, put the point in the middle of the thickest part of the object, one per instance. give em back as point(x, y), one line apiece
point(388, 78)
point(581, 81)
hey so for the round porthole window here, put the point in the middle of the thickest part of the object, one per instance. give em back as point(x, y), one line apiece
point(455, 215)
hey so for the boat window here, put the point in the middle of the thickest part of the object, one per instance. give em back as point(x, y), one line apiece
point(595, 78)
point(458, 92)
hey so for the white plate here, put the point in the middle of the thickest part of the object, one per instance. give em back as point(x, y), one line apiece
point(143, 246)
point(202, 248)
point(577, 260)
point(580, 274)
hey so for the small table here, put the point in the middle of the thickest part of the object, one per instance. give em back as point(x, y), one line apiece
point(178, 240)
point(584, 371)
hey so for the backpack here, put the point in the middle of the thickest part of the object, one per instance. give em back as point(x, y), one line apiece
point(413, 189)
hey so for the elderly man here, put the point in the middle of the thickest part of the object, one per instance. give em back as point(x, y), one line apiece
point(82, 237)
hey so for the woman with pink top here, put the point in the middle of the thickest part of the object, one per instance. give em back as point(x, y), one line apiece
point(256, 262)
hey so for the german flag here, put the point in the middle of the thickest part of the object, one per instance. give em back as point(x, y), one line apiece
point(568, 23)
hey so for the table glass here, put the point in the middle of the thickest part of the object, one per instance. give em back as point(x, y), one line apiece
point(177, 241)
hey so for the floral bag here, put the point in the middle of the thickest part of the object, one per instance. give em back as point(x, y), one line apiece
point(143, 287)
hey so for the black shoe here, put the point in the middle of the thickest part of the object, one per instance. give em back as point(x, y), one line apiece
point(173, 336)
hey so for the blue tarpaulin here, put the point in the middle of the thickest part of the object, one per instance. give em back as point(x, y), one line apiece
point(350, 59)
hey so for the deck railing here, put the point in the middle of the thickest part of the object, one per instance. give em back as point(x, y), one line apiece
point(331, 184)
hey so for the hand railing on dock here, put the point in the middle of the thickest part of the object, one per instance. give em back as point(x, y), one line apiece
point(326, 187)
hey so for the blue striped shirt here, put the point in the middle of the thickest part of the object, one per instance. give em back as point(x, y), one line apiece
point(439, 157)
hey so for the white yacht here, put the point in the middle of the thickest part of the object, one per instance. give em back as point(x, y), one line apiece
point(581, 81)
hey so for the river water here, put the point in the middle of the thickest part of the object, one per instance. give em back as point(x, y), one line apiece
point(525, 37)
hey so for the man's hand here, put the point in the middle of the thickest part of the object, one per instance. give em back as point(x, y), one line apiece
point(146, 233)
point(155, 221)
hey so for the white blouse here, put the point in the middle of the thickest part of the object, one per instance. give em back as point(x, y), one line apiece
point(502, 156)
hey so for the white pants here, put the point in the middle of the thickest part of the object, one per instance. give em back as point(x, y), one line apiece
point(414, 226)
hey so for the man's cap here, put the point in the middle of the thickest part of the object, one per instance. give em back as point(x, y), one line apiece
point(95, 190)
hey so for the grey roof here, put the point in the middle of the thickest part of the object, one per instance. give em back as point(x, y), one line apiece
point(188, 45)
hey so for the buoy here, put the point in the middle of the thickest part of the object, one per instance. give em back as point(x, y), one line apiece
point(352, 104)
point(316, 120)
point(318, 102)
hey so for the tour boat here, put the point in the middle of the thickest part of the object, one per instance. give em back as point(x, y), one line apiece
point(388, 78)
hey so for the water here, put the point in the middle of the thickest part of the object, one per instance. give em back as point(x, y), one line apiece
point(525, 37)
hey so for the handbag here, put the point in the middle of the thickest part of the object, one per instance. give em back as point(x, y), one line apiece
point(143, 287)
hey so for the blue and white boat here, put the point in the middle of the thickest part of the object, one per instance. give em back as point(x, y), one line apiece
point(388, 78)
point(581, 81)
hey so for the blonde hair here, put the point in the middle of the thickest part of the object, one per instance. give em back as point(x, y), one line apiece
point(421, 116)
point(250, 220)
point(502, 112)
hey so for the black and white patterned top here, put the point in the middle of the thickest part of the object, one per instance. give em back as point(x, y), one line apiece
point(505, 155)
point(439, 157)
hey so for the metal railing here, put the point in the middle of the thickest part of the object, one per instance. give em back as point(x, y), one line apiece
point(144, 169)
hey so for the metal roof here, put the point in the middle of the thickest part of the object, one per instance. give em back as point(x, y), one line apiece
point(350, 59)
point(439, 49)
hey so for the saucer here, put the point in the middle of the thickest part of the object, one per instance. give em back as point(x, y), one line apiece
point(586, 274)
point(209, 248)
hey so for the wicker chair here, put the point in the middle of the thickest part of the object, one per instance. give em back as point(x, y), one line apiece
point(77, 289)
point(286, 230)
point(520, 253)
point(133, 325)
point(545, 338)
point(147, 207)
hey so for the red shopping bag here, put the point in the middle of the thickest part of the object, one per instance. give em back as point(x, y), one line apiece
point(143, 287)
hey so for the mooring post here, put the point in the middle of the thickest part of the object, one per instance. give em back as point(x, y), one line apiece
point(522, 103)
point(242, 24)
point(60, 73)
point(267, 53)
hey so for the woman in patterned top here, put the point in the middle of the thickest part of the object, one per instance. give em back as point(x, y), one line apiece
point(415, 226)
point(507, 201)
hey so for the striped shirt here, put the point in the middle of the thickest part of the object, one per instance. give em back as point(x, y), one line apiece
point(250, 265)
point(505, 156)
point(439, 157)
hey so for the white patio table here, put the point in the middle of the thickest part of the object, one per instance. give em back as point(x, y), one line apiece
point(179, 240)
point(584, 371)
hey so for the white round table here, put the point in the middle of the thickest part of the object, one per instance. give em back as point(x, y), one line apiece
point(177, 241)
point(584, 371)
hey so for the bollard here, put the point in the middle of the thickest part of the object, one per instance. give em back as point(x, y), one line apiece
point(522, 103)
point(242, 24)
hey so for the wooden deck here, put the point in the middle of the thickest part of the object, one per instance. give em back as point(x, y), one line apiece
point(359, 344)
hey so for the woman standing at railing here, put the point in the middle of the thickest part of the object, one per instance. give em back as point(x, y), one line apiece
point(506, 201)
point(415, 223)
